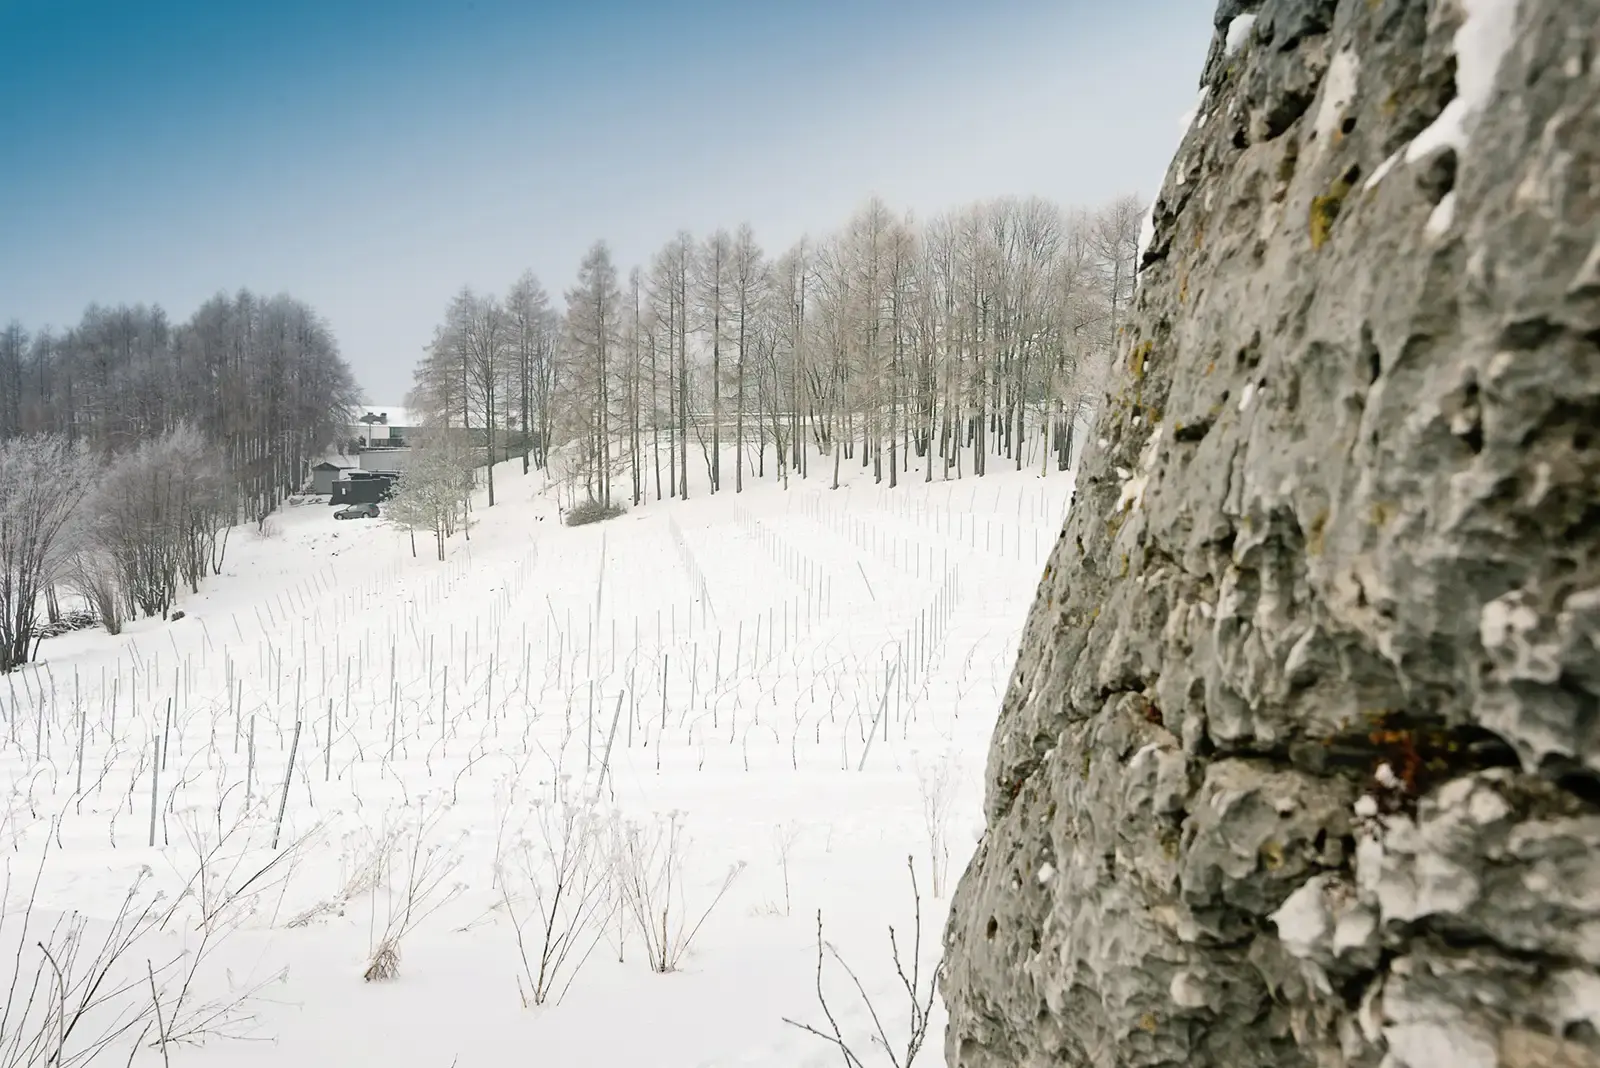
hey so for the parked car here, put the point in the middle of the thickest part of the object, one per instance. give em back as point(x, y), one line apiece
point(357, 511)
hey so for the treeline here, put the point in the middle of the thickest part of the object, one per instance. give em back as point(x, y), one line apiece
point(129, 447)
point(909, 347)
point(260, 378)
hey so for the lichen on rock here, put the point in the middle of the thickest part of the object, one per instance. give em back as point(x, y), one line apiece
point(1309, 741)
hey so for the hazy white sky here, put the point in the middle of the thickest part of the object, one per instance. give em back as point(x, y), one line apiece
point(371, 159)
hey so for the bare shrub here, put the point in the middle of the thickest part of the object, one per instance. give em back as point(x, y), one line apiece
point(784, 837)
point(56, 973)
point(233, 872)
point(557, 891)
point(937, 783)
point(423, 868)
point(592, 511)
point(80, 987)
point(92, 575)
point(919, 1001)
point(648, 864)
point(364, 861)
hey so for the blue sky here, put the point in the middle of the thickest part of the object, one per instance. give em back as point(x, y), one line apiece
point(371, 158)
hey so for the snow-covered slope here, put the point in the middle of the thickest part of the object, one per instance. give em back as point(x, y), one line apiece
point(799, 685)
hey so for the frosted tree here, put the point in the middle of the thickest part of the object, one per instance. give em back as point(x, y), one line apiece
point(410, 507)
point(865, 307)
point(41, 493)
point(161, 516)
point(435, 492)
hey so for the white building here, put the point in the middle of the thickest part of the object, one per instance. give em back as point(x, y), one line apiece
point(379, 426)
point(386, 461)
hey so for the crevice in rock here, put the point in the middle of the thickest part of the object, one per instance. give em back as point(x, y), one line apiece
point(1471, 432)
point(1525, 335)
point(1567, 774)
point(1371, 354)
point(1287, 110)
point(1436, 175)
point(1294, 23)
point(1447, 936)
point(1581, 1031)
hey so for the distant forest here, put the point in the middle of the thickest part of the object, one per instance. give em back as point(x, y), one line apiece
point(259, 378)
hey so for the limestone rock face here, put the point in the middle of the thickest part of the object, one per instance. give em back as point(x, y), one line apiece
point(1299, 764)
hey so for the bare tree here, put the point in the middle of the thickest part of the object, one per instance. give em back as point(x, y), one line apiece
point(13, 346)
point(465, 371)
point(632, 375)
point(748, 269)
point(592, 331)
point(1080, 360)
point(1115, 238)
point(533, 335)
point(671, 277)
point(714, 290)
point(791, 278)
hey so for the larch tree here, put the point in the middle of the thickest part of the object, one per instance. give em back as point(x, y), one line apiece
point(534, 334)
point(790, 278)
point(671, 284)
point(593, 323)
point(714, 291)
point(632, 379)
point(475, 343)
point(748, 275)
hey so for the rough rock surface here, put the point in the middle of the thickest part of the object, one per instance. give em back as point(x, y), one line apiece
point(1300, 761)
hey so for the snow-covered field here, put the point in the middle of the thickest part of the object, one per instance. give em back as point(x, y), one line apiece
point(775, 697)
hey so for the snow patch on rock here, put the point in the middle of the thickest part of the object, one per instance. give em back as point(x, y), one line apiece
point(1147, 234)
point(1486, 34)
point(1338, 91)
point(1238, 33)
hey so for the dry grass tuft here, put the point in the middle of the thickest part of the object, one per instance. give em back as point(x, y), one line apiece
point(385, 964)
